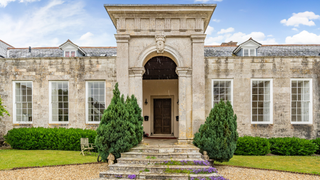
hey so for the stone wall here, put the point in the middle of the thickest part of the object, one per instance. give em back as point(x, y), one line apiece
point(42, 70)
point(281, 70)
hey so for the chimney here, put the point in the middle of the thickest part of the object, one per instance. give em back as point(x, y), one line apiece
point(29, 49)
point(229, 44)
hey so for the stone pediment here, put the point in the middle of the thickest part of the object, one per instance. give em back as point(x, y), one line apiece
point(167, 19)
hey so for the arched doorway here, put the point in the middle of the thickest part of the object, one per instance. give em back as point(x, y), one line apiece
point(160, 92)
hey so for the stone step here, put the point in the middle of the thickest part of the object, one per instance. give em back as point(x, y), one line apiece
point(151, 168)
point(151, 161)
point(148, 175)
point(184, 156)
point(179, 149)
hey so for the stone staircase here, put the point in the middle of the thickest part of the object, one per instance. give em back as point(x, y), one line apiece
point(143, 161)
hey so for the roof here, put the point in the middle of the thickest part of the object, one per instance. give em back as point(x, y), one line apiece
point(6, 43)
point(70, 42)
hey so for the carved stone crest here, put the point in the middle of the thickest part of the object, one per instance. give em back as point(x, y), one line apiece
point(160, 40)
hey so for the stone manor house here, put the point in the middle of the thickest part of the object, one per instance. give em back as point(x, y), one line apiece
point(161, 58)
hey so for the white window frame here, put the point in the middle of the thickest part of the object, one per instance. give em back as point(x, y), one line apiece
point(75, 53)
point(310, 104)
point(14, 103)
point(254, 50)
point(212, 88)
point(87, 109)
point(271, 101)
point(50, 104)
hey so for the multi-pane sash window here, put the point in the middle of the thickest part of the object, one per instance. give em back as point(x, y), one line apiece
point(261, 101)
point(22, 102)
point(249, 52)
point(301, 101)
point(222, 89)
point(69, 54)
point(59, 102)
point(95, 103)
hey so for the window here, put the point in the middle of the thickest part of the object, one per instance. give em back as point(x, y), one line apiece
point(249, 52)
point(261, 99)
point(59, 102)
point(301, 101)
point(95, 101)
point(222, 89)
point(22, 106)
point(69, 54)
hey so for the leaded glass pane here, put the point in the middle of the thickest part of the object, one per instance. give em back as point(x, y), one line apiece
point(23, 101)
point(59, 101)
point(261, 101)
point(95, 100)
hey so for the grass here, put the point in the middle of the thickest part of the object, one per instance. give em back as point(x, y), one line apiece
point(302, 164)
point(25, 158)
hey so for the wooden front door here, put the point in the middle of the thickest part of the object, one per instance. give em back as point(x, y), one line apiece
point(162, 116)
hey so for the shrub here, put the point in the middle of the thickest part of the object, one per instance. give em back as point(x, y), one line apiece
point(317, 142)
point(2, 109)
point(218, 135)
point(248, 145)
point(291, 146)
point(48, 138)
point(118, 130)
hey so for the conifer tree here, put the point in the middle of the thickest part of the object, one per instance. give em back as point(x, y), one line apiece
point(138, 119)
point(115, 133)
point(218, 135)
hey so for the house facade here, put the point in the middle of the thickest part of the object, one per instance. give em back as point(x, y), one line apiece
point(161, 58)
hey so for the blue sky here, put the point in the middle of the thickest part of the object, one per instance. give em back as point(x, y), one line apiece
point(39, 23)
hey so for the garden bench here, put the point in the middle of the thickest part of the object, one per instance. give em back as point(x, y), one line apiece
point(85, 145)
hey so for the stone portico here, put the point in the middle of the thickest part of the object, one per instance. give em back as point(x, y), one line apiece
point(174, 31)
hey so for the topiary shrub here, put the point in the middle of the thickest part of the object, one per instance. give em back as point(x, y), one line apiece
point(256, 146)
point(118, 130)
point(317, 142)
point(48, 138)
point(218, 135)
point(292, 146)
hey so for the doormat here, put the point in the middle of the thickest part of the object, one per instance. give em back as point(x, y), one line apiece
point(160, 137)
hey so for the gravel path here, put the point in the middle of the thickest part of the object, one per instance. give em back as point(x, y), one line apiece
point(91, 171)
point(79, 172)
point(234, 173)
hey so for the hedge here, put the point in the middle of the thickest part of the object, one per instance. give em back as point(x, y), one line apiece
point(248, 145)
point(48, 138)
point(292, 146)
point(317, 142)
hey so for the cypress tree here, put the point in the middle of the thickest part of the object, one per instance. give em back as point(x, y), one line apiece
point(218, 135)
point(138, 119)
point(115, 133)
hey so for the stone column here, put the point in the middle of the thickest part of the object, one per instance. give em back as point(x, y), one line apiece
point(185, 108)
point(198, 82)
point(136, 88)
point(122, 62)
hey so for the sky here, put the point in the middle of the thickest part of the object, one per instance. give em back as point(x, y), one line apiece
point(49, 23)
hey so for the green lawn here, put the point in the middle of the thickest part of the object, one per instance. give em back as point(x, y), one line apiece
point(24, 158)
point(304, 164)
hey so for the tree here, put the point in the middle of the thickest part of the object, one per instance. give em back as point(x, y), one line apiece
point(3, 110)
point(218, 135)
point(135, 118)
point(117, 129)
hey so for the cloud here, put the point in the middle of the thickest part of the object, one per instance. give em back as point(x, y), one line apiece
point(209, 30)
point(295, 29)
point(303, 18)
point(4, 3)
point(54, 23)
point(216, 20)
point(304, 37)
point(90, 39)
point(240, 38)
point(224, 31)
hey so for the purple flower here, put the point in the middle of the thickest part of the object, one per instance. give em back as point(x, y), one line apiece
point(132, 176)
point(192, 178)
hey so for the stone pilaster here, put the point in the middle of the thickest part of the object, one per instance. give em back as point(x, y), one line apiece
point(198, 83)
point(122, 62)
point(185, 105)
point(136, 88)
